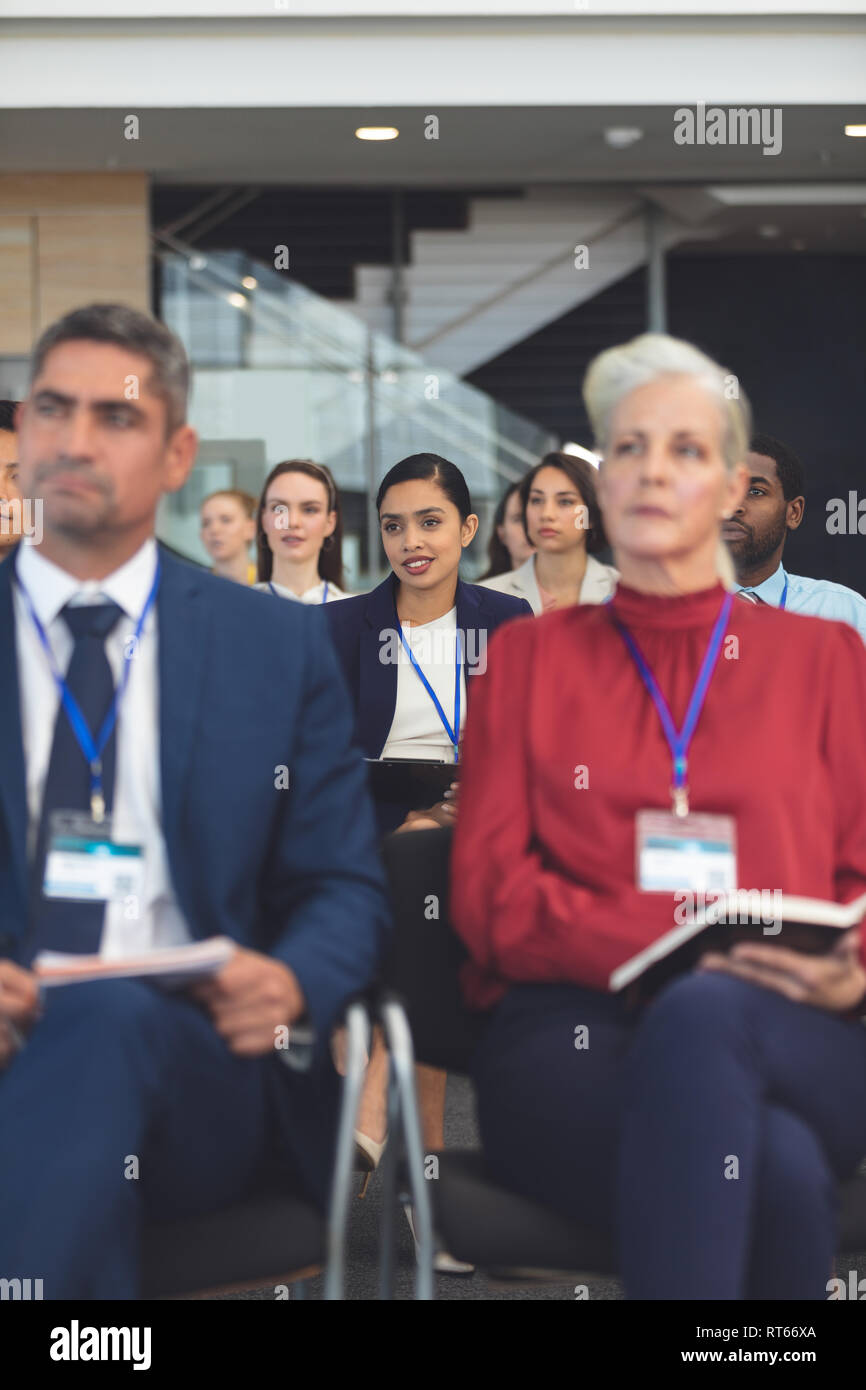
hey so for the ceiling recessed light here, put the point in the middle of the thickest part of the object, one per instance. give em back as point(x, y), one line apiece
point(249, 282)
point(619, 137)
point(377, 132)
point(858, 131)
point(237, 301)
point(197, 262)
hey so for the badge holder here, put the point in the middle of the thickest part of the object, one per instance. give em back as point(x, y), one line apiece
point(678, 852)
point(84, 863)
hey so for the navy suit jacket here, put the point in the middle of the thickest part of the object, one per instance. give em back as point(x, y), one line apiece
point(361, 628)
point(248, 684)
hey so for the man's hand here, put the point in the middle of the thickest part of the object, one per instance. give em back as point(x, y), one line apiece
point(836, 981)
point(249, 999)
point(19, 1007)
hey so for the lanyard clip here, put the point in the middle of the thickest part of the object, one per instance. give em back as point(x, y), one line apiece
point(97, 800)
point(680, 797)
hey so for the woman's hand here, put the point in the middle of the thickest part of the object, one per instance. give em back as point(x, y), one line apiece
point(443, 813)
point(836, 981)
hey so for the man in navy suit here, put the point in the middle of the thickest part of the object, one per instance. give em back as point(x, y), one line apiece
point(231, 770)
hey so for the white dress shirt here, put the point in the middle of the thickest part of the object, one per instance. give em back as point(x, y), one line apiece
point(315, 595)
point(137, 816)
point(416, 729)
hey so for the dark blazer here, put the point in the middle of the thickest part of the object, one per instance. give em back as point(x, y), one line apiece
point(361, 627)
point(247, 684)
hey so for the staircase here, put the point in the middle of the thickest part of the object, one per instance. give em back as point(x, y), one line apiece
point(470, 295)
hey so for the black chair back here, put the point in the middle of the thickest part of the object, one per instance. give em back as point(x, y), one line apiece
point(424, 960)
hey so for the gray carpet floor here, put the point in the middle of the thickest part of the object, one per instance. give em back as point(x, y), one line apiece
point(461, 1131)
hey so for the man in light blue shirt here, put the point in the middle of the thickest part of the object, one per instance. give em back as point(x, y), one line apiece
point(773, 505)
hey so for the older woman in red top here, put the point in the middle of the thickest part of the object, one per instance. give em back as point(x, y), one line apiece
point(620, 759)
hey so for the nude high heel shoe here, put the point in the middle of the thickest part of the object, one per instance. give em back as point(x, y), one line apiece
point(368, 1156)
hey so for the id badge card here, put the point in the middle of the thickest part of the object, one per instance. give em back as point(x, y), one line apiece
point(693, 853)
point(84, 863)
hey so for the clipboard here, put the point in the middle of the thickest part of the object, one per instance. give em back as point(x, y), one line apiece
point(414, 783)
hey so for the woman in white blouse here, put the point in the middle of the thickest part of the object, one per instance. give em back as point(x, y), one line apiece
point(562, 520)
point(299, 534)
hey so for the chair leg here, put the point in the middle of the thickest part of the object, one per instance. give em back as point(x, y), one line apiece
point(403, 1104)
point(390, 1159)
point(358, 1040)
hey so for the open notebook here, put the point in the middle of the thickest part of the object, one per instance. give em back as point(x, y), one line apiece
point(802, 924)
point(170, 965)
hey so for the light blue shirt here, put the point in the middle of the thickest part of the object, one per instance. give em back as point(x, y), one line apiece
point(820, 597)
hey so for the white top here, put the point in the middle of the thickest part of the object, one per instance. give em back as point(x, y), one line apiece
point(416, 730)
point(137, 815)
point(314, 595)
point(599, 582)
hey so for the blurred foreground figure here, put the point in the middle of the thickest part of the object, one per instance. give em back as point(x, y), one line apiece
point(228, 774)
point(619, 759)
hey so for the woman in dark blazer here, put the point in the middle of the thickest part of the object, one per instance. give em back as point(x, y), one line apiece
point(421, 634)
point(427, 521)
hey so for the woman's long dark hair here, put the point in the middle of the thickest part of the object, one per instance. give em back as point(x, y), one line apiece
point(499, 559)
point(582, 475)
point(331, 553)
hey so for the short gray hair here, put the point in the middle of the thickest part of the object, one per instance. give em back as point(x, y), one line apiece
point(616, 372)
point(126, 328)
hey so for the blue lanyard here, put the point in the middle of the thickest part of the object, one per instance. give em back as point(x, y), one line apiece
point(93, 749)
point(453, 733)
point(679, 742)
point(276, 595)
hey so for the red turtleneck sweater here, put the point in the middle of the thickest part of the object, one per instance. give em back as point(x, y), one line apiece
point(543, 872)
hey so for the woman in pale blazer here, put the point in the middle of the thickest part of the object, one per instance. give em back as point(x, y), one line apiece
point(562, 520)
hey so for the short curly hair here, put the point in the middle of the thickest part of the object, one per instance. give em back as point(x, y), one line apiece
point(791, 473)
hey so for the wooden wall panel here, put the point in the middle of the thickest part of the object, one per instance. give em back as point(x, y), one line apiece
point(82, 259)
point(17, 290)
point(68, 240)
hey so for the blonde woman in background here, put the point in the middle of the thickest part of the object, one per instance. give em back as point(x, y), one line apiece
point(228, 527)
